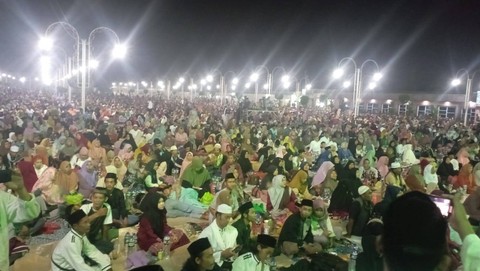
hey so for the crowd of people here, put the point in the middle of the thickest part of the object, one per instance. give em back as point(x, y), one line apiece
point(270, 183)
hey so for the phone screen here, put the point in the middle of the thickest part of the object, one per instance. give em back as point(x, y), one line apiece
point(444, 204)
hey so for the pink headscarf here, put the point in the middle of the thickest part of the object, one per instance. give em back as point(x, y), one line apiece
point(322, 173)
point(462, 156)
point(382, 166)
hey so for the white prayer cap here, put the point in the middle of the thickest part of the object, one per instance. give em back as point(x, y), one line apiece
point(224, 209)
point(14, 148)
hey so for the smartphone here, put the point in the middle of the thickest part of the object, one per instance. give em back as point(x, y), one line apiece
point(444, 204)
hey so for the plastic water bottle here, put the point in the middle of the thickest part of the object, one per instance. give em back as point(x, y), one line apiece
point(166, 246)
point(353, 259)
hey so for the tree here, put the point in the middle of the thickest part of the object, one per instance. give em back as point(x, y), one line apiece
point(404, 98)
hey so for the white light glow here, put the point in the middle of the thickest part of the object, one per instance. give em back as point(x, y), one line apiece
point(265, 86)
point(372, 85)
point(93, 64)
point(209, 78)
point(337, 73)
point(372, 101)
point(160, 84)
point(209, 87)
point(377, 76)
point(308, 86)
point(181, 80)
point(389, 101)
point(144, 84)
point(45, 44)
point(254, 77)
point(235, 81)
point(45, 68)
point(285, 78)
point(455, 82)
point(203, 82)
point(119, 51)
point(347, 84)
point(217, 86)
point(22, 79)
point(234, 87)
point(247, 85)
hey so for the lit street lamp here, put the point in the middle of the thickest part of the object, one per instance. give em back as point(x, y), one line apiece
point(468, 89)
point(357, 79)
point(83, 51)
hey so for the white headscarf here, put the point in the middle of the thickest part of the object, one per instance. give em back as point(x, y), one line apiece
point(429, 176)
point(276, 191)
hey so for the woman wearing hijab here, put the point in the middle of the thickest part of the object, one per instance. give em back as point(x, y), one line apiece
point(231, 165)
point(50, 190)
point(322, 173)
point(43, 150)
point(465, 179)
point(244, 162)
point(129, 140)
point(382, 166)
point(153, 227)
point(414, 180)
point(186, 162)
point(27, 171)
point(126, 153)
point(196, 176)
point(97, 152)
point(322, 229)
point(345, 191)
point(300, 181)
point(121, 168)
point(446, 173)
point(87, 179)
point(66, 178)
point(281, 199)
point(81, 140)
point(68, 150)
point(430, 176)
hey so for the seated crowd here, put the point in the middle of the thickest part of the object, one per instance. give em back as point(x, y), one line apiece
point(273, 194)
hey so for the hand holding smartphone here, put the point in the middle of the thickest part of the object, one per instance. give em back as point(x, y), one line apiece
point(443, 204)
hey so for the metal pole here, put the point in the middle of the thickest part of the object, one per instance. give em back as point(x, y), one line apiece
point(84, 72)
point(256, 92)
point(270, 83)
point(359, 91)
point(222, 89)
point(468, 90)
point(191, 89)
point(168, 89)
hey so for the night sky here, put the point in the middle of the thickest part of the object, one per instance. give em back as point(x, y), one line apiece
point(419, 44)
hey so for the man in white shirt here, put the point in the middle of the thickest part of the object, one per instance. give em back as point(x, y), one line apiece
point(222, 237)
point(315, 146)
point(68, 254)
point(256, 261)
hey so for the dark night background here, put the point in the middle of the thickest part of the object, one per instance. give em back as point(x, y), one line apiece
point(419, 44)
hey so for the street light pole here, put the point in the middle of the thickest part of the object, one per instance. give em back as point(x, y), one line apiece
point(466, 106)
point(83, 70)
point(357, 81)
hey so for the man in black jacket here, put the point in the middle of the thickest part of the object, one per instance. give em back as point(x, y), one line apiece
point(299, 225)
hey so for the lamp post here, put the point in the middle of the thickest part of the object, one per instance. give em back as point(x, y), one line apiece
point(284, 78)
point(256, 75)
point(83, 52)
point(468, 89)
point(357, 78)
point(224, 87)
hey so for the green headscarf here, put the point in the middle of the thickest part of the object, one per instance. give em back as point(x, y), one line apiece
point(195, 173)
